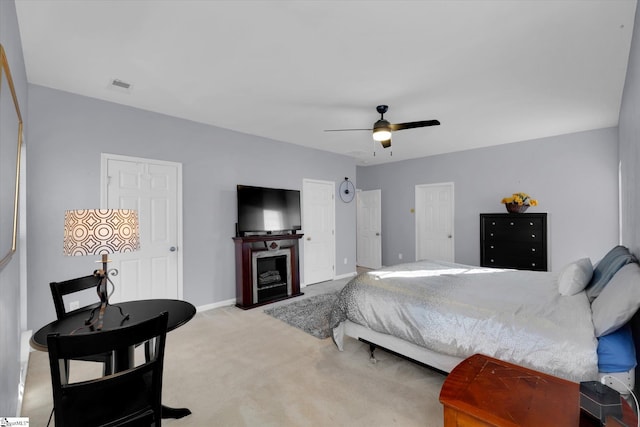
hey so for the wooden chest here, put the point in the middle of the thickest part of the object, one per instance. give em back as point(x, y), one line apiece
point(486, 392)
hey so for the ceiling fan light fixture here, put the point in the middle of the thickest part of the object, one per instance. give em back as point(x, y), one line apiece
point(381, 130)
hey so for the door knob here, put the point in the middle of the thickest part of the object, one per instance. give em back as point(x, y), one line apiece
point(308, 238)
point(377, 234)
point(172, 248)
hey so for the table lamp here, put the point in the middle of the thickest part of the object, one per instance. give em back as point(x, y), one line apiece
point(101, 232)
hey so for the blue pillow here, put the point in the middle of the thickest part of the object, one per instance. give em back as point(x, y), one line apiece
point(613, 261)
point(616, 351)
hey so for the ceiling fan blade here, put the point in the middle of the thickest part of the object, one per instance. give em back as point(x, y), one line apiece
point(345, 130)
point(412, 125)
point(386, 143)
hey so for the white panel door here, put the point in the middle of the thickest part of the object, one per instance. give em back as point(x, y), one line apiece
point(318, 219)
point(369, 225)
point(434, 222)
point(153, 188)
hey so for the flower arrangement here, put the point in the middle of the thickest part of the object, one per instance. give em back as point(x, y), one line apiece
point(518, 202)
point(520, 199)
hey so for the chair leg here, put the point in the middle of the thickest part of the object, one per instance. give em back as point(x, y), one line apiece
point(108, 367)
point(65, 372)
point(149, 349)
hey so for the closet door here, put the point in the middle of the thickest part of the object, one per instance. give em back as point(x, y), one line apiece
point(369, 223)
point(152, 187)
point(434, 221)
point(318, 226)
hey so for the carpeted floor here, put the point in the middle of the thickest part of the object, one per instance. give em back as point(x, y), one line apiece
point(233, 367)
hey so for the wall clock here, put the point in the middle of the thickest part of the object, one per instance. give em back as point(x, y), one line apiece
point(347, 190)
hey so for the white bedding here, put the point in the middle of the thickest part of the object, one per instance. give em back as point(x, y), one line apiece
point(458, 310)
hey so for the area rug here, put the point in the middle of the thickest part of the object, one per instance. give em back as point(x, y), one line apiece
point(309, 314)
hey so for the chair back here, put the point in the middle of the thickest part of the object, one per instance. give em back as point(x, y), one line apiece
point(131, 396)
point(60, 289)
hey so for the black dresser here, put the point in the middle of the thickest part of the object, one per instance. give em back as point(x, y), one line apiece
point(514, 241)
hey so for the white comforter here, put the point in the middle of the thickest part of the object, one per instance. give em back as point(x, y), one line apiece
point(459, 310)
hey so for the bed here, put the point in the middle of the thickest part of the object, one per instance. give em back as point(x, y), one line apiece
point(439, 313)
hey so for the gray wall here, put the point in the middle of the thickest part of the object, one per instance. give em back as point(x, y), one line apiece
point(67, 133)
point(10, 311)
point(72, 131)
point(574, 177)
point(629, 130)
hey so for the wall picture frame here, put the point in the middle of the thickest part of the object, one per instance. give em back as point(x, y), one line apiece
point(10, 151)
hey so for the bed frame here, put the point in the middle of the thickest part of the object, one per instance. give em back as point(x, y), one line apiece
point(439, 362)
point(405, 349)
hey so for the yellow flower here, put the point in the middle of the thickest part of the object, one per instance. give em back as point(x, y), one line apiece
point(520, 199)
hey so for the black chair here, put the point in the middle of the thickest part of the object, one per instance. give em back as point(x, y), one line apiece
point(58, 291)
point(128, 397)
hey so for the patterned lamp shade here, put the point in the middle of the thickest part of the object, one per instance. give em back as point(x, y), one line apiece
point(100, 231)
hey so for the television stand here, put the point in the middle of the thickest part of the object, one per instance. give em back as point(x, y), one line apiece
point(267, 269)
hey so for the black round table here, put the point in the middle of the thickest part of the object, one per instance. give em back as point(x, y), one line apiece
point(180, 312)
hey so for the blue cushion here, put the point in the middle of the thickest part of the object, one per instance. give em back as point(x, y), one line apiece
point(616, 351)
point(613, 261)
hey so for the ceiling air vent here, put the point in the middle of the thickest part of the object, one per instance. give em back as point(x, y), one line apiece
point(120, 85)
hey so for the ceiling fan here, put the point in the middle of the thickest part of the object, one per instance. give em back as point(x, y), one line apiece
point(382, 128)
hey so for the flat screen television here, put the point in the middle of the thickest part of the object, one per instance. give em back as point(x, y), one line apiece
point(267, 210)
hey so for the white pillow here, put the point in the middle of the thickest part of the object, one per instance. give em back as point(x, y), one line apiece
point(575, 276)
point(618, 301)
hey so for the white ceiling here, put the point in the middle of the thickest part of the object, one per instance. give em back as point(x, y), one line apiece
point(492, 72)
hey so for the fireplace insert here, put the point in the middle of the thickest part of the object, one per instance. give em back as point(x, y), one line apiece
point(271, 275)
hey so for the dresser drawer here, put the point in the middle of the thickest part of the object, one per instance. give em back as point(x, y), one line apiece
point(505, 248)
point(513, 229)
point(538, 263)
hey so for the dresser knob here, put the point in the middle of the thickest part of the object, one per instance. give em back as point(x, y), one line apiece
point(530, 223)
point(511, 223)
point(533, 235)
point(533, 249)
point(491, 234)
point(533, 264)
point(492, 246)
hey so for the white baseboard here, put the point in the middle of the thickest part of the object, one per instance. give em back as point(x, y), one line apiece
point(216, 305)
point(340, 277)
point(24, 366)
point(344, 276)
point(233, 301)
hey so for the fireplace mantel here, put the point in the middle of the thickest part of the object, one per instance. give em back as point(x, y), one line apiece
point(250, 248)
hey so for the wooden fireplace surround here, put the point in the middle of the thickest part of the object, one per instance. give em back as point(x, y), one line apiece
point(245, 247)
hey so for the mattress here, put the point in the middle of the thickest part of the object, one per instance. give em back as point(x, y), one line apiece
point(458, 310)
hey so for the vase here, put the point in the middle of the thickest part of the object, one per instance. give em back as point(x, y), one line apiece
point(516, 208)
